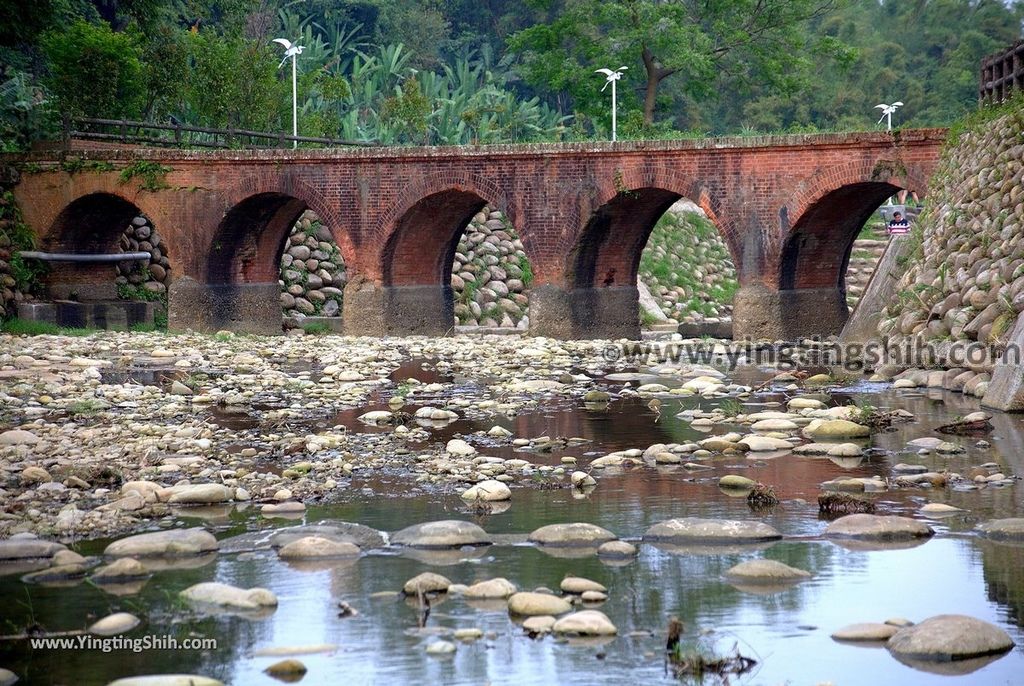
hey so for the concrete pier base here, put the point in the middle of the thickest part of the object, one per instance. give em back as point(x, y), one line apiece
point(1006, 389)
point(113, 314)
point(249, 308)
point(881, 289)
point(585, 313)
point(761, 313)
point(372, 310)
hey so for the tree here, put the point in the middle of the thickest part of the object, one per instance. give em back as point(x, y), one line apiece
point(94, 72)
point(699, 41)
point(233, 82)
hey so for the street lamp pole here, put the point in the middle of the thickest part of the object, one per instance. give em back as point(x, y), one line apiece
point(611, 77)
point(292, 50)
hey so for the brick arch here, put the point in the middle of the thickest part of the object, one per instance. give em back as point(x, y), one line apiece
point(610, 243)
point(431, 184)
point(421, 231)
point(815, 250)
point(833, 178)
point(295, 186)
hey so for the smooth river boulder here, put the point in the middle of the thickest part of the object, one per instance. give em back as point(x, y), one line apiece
point(865, 631)
point(530, 604)
point(167, 680)
point(200, 494)
point(835, 428)
point(1003, 529)
point(499, 587)
point(120, 570)
point(585, 623)
point(315, 548)
point(947, 638)
point(490, 490)
point(335, 530)
point(172, 543)
point(878, 528)
point(578, 585)
point(574, 534)
point(27, 548)
point(427, 582)
point(765, 571)
point(225, 595)
point(694, 530)
point(112, 625)
point(450, 533)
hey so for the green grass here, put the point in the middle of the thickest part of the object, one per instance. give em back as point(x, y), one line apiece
point(86, 407)
point(679, 233)
point(526, 269)
point(26, 327)
point(316, 328)
point(647, 319)
point(873, 230)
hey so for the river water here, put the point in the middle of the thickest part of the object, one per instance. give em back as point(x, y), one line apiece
point(787, 630)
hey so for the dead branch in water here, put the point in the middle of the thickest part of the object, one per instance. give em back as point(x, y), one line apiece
point(762, 496)
point(841, 503)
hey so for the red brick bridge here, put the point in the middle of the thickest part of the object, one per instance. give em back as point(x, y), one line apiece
point(788, 207)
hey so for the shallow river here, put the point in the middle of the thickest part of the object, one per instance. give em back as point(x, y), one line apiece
point(787, 631)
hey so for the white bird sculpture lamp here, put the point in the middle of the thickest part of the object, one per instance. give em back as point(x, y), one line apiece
point(611, 77)
point(293, 51)
point(887, 112)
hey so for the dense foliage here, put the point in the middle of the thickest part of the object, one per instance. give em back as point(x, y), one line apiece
point(457, 72)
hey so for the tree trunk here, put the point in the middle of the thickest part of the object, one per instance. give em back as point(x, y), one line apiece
point(650, 97)
point(655, 74)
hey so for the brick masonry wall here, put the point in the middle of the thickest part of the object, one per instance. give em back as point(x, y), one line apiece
point(784, 205)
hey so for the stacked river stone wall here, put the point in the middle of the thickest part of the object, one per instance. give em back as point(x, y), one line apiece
point(491, 274)
point(687, 267)
point(9, 295)
point(153, 277)
point(312, 274)
point(965, 278)
point(863, 259)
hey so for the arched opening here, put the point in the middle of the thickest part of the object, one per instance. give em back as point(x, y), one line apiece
point(273, 265)
point(817, 250)
point(250, 239)
point(95, 227)
point(687, 274)
point(422, 247)
point(415, 296)
point(611, 296)
point(607, 253)
point(450, 259)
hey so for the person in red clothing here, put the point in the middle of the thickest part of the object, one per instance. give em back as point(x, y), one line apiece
point(898, 226)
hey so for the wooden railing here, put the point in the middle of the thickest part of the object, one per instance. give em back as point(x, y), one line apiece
point(177, 135)
point(1001, 73)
